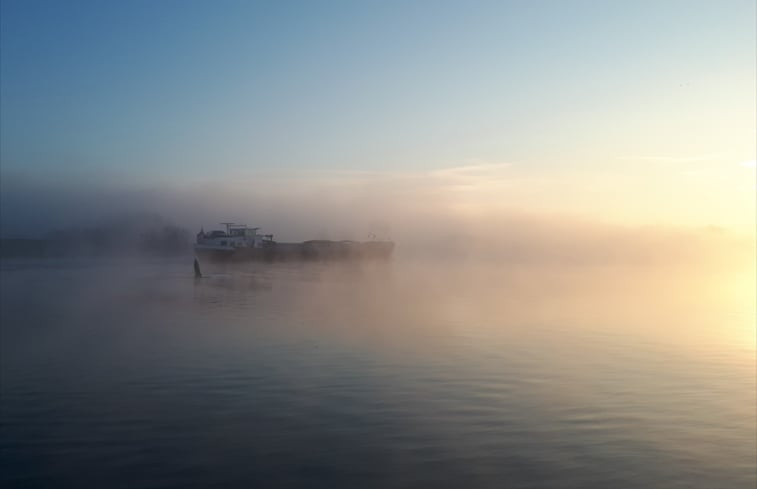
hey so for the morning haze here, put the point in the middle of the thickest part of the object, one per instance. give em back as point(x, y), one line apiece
point(501, 244)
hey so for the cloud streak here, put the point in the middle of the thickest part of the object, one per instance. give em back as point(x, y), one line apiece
point(672, 159)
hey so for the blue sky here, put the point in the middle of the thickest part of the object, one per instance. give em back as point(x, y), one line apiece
point(156, 91)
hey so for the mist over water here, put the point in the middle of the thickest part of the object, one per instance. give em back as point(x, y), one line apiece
point(416, 372)
point(496, 347)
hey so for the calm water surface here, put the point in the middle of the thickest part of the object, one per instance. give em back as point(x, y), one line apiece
point(133, 374)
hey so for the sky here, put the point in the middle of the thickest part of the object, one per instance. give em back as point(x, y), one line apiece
point(641, 113)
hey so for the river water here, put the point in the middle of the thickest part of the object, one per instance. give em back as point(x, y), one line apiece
point(131, 373)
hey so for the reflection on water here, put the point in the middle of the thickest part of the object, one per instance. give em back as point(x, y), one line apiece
point(393, 375)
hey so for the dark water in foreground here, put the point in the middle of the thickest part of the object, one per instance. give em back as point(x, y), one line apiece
point(132, 374)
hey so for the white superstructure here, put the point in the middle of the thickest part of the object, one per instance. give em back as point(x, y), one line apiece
point(236, 236)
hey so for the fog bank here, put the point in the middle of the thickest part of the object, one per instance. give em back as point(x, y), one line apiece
point(425, 219)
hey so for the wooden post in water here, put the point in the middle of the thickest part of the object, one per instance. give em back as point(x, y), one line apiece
point(198, 273)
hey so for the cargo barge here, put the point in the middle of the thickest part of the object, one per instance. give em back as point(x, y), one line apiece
point(239, 242)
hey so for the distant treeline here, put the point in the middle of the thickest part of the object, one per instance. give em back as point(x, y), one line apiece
point(117, 236)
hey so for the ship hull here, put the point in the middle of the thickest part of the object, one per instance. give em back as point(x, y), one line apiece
point(307, 251)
